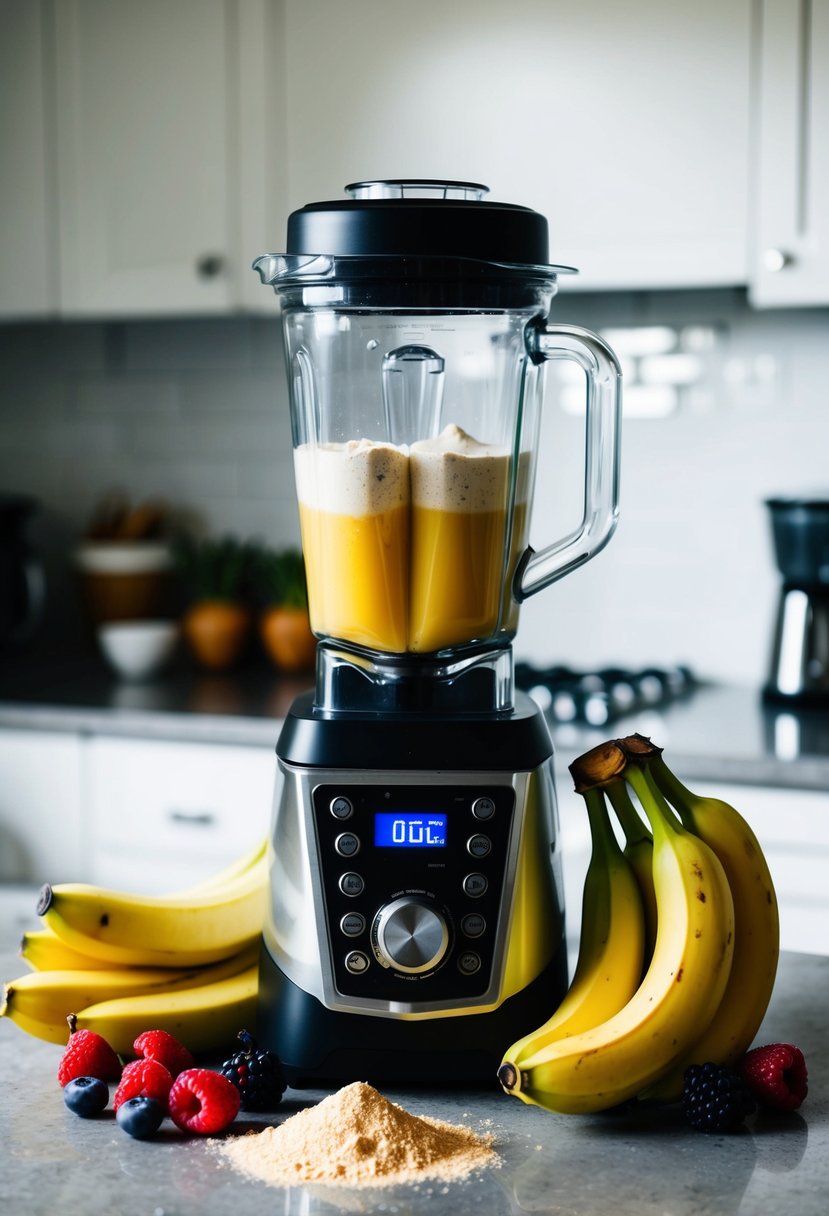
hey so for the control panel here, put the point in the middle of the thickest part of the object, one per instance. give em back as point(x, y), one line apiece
point(412, 879)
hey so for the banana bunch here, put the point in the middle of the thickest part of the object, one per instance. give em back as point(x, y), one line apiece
point(709, 938)
point(186, 962)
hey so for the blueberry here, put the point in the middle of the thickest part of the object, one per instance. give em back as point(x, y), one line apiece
point(140, 1117)
point(86, 1096)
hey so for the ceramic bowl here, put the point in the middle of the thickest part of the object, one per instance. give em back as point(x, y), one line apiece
point(125, 580)
point(138, 649)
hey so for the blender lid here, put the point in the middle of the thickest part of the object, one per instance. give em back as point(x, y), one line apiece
point(422, 217)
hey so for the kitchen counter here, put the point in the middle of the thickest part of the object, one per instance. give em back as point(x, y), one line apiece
point(646, 1163)
point(715, 732)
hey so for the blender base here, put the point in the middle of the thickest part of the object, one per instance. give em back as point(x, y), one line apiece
point(318, 1045)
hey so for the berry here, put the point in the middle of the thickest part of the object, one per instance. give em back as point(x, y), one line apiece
point(164, 1047)
point(87, 1054)
point(715, 1099)
point(140, 1117)
point(776, 1075)
point(257, 1075)
point(86, 1096)
point(144, 1079)
point(203, 1101)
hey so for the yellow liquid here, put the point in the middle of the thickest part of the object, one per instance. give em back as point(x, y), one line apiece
point(457, 576)
point(357, 569)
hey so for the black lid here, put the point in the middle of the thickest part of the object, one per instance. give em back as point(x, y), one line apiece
point(420, 218)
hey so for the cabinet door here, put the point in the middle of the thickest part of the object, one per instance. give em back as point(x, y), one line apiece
point(164, 815)
point(627, 125)
point(28, 248)
point(41, 834)
point(146, 113)
point(791, 248)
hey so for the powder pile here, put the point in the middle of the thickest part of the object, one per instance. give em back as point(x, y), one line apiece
point(356, 1137)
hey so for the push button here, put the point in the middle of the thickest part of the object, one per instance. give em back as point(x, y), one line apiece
point(356, 962)
point(475, 885)
point(341, 808)
point(347, 844)
point(353, 924)
point(351, 884)
point(473, 925)
point(469, 962)
point(478, 846)
point(483, 808)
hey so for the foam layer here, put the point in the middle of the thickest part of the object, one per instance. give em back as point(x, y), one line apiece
point(454, 472)
point(360, 477)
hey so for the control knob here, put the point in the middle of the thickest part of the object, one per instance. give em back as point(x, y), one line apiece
point(410, 935)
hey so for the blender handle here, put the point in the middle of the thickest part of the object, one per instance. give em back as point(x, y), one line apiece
point(537, 570)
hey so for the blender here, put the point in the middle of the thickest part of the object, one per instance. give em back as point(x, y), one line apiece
point(415, 925)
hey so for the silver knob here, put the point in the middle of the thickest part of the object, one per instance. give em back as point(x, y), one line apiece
point(775, 260)
point(410, 935)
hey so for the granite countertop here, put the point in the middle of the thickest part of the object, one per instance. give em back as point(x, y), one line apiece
point(646, 1163)
point(716, 732)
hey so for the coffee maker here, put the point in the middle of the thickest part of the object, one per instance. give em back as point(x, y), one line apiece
point(799, 667)
point(415, 925)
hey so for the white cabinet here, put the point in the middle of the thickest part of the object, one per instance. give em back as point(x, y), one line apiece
point(627, 125)
point(790, 253)
point(163, 815)
point(142, 152)
point(41, 826)
point(165, 134)
point(28, 234)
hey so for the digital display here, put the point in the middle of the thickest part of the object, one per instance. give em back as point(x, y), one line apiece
point(409, 830)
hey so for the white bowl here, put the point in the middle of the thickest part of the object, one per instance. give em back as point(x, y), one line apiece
point(138, 649)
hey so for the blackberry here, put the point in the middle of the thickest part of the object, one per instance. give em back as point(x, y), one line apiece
point(715, 1099)
point(257, 1074)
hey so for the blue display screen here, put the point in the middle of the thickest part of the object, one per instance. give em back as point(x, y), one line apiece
point(409, 830)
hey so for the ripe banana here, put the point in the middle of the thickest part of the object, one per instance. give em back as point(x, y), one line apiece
point(43, 950)
point(206, 1019)
point(639, 852)
point(678, 996)
point(174, 930)
point(756, 929)
point(611, 943)
point(41, 1001)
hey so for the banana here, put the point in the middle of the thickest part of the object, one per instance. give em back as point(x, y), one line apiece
point(756, 929)
point(175, 930)
point(639, 852)
point(43, 950)
point(677, 998)
point(611, 943)
point(40, 1002)
point(206, 1019)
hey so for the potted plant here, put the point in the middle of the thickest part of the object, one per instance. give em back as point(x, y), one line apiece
point(217, 623)
point(284, 627)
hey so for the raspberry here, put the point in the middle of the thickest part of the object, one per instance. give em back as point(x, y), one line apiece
point(164, 1047)
point(715, 1099)
point(257, 1074)
point(203, 1101)
point(144, 1079)
point(776, 1075)
point(87, 1054)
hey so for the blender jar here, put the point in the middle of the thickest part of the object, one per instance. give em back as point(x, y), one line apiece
point(416, 333)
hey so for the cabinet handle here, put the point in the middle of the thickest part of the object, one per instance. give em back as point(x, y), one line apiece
point(210, 266)
point(194, 819)
point(775, 260)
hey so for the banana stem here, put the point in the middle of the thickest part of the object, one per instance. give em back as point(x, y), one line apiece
point(601, 832)
point(670, 785)
point(622, 803)
point(661, 817)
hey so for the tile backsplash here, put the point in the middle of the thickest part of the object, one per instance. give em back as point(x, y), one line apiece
point(195, 412)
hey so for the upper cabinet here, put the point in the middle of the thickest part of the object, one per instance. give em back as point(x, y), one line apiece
point(152, 150)
point(790, 251)
point(627, 125)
